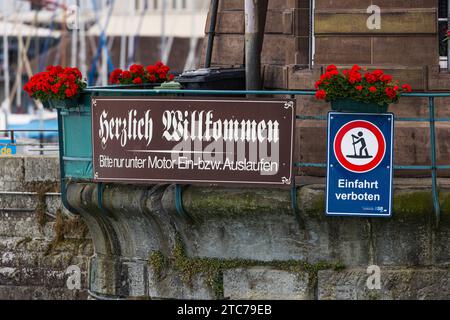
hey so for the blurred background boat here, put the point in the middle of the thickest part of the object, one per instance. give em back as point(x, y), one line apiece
point(94, 35)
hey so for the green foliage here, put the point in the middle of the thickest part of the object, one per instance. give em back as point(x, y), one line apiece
point(41, 189)
point(63, 227)
point(158, 263)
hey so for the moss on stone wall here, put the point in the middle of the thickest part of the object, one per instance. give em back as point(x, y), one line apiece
point(409, 202)
point(444, 199)
point(413, 202)
point(231, 203)
point(41, 188)
point(158, 262)
point(65, 227)
point(188, 268)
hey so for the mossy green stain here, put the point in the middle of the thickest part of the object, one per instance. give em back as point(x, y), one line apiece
point(413, 203)
point(158, 263)
point(62, 228)
point(235, 203)
point(213, 268)
point(444, 199)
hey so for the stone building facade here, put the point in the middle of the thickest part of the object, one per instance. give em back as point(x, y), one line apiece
point(303, 36)
point(407, 44)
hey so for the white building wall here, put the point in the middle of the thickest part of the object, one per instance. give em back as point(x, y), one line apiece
point(133, 6)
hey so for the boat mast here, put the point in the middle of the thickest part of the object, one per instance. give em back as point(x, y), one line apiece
point(6, 103)
point(73, 55)
point(82, 20)
point(163, 29)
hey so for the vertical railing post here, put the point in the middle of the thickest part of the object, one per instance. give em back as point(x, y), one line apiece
point(294, 199)
point(41, 143)
point(437, 209)
point(63, 183)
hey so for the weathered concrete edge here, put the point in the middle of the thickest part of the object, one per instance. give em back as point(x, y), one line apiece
point(198, 201)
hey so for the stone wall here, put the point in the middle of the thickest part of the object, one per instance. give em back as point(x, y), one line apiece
point(243, 243)
point(38, 240)
point(230, 242)
point(406, 45)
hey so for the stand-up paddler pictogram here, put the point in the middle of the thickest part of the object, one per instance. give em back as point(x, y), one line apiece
point(363, 151)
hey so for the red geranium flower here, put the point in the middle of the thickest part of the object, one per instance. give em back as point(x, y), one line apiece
point(378, 73)
point(151, 69)
point(331, 67)
point(115, 76)
point(321, 94)
point(370, 78)
point(386, 78)
point(354, 77)
point(137, 69)
point(391, 93)
point(126, 75)
point(317, 84)
point(406, 87)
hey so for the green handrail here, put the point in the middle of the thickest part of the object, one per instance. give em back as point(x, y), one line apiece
point(117, 88)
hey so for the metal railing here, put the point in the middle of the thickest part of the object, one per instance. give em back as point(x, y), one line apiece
point(431, 119)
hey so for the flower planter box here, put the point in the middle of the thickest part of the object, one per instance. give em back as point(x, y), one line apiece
point(350, 105)
point(75, 130)
point(62, 104)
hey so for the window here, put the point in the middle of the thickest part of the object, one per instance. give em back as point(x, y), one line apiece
point(442, 29)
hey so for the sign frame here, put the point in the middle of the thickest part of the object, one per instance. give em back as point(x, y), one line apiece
point(289, 104)
point(387, 152)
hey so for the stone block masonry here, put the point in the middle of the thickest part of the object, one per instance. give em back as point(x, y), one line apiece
point(243, 243)
point(234, 242)
point(35, 248)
